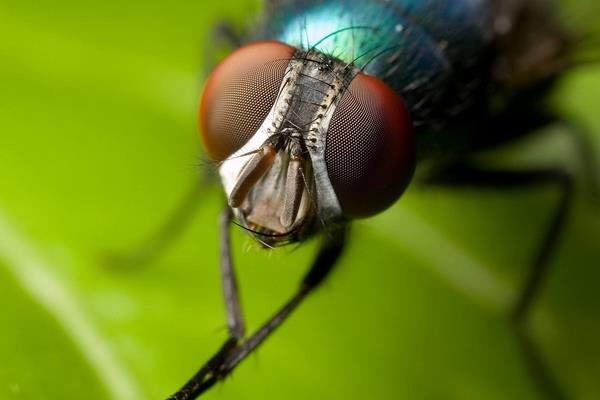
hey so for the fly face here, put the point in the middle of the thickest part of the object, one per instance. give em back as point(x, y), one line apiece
point(305, 141)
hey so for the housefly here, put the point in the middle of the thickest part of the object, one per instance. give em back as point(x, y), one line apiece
point(324, 115)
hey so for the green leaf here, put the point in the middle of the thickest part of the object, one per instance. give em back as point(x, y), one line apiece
point(99, 144)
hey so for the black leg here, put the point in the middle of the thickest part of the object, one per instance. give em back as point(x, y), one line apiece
point(235, 350)
point(549, 386)
point(235, 319)
point(156, 243)
point(469, 175)
point(226, 33)
point(220, 41)
point(589, 160)
point(328, 255)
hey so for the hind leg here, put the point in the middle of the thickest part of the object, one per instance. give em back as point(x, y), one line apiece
point(471, 175)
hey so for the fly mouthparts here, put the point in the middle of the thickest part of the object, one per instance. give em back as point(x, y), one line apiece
point(294, 189)
point(271, 190)
point(251, 173)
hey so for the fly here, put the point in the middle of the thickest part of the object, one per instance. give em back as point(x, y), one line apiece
point(323, 117)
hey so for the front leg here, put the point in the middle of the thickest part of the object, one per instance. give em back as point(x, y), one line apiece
point(235, 319)
point(236, 349)
point(207, 376)
point(470, 175)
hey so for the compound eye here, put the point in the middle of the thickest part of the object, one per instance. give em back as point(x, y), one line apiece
point(370, 154)
point(239, 94)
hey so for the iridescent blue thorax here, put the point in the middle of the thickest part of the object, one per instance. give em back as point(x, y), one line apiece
point(423, 49)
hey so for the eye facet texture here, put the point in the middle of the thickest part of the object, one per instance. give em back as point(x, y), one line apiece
point(369, 148)
point(239, 95)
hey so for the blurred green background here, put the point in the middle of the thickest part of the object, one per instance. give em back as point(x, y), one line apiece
point(99, 143)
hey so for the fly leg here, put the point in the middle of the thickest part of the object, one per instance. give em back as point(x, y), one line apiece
point(207, 376)
point(227, 33)
point(326, 258)
point(470, 175)
point(152, 246)
point(236, 348)
point(221, 40)
point(589, 161)
point(158, 241)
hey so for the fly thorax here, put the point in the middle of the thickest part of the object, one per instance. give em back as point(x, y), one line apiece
point(277, 183)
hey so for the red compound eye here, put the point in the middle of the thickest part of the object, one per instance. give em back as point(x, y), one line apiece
point(370, 148)
point(239, 95)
